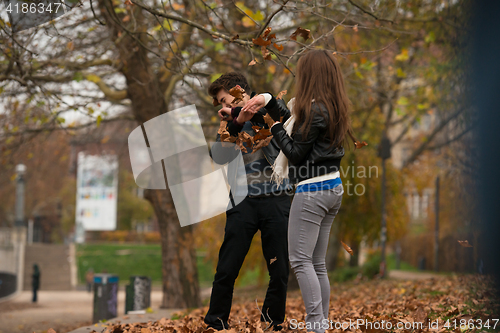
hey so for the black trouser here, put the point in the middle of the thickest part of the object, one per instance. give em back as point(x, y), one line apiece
point(270, 215)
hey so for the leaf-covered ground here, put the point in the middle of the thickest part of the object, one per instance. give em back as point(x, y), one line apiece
point(455, 303)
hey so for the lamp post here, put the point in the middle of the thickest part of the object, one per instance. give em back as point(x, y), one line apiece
point(20, 172)
point(384, 152)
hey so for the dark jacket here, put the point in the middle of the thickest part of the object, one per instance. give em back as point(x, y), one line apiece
point(313, 155)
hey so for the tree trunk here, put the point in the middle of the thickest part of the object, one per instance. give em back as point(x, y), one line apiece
point(180, 275)
point(179, 270)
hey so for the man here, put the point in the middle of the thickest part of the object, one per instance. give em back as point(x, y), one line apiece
point(266, 208)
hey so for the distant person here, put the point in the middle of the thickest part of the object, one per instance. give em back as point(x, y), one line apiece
point(35, 281)
point(89, 278)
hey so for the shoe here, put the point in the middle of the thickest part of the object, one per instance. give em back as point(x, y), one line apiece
point(277, 327)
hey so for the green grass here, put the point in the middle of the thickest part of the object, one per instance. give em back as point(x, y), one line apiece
point(403, 265)
point(126, 260)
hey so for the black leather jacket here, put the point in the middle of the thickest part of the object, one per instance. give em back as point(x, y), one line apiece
point(313, 155)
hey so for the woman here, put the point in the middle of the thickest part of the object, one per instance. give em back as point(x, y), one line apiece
point(311, 143)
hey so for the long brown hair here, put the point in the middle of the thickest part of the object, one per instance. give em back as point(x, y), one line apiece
point(319, 77)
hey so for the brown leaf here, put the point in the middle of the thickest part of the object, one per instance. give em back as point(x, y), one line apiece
point(129, 3)
point(360, 145)
point(70, 46)
point(262, 134)
point(145, 330)
point(253, 62)
point(222, 127)
point(237, 93)
point(272, 36)
point(51, 330)
point(355, 28)
point(304, 33)
point(281, 94)
point(239, 144)
point(465, 243)
point(347, 248)
point(261, 42)
point(247, 138)
point(278, 47)
point(266, 32)
point(126, 18)
point(235, 37)
point(262, 143)
point(272, 260)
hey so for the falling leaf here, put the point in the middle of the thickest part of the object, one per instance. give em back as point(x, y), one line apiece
point(246, 138)
point(360, 145)
point(262, 134)
point(304, 33)
point(272, 260)
point(222, 127)
point(278, 47)
point(281, 94)
point(253, 62)
point(237, 93)
point(70, 46)
point(465, 243)
point(126, 18)
point(347, 248)
point(262, 143)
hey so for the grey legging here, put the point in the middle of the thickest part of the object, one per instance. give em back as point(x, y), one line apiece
point(311, 216)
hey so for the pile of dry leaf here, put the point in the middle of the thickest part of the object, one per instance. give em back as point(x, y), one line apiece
point(432, 301)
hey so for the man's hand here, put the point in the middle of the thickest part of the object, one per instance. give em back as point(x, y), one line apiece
point(244, 116)
point(269, 120)
point(225, 114)
point(255, 104)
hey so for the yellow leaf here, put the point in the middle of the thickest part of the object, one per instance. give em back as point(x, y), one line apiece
point(177, 6)
point(272, 69)
point(403, 56)
point(93, 78)
point(247, 22)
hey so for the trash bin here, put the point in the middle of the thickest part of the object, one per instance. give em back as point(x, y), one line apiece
point(138, 294)
point(105, 297)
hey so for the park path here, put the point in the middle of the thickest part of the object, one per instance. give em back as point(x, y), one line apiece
point(408, 275)
point(61, 310)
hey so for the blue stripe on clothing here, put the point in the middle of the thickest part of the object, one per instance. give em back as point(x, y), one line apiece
point(319, 186)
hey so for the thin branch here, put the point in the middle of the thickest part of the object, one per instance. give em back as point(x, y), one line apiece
point(368, 12)
point(193, 24)
point(270, 18)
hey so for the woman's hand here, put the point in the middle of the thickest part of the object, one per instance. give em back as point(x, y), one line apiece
point(225, 114)
point(269, 120)
point(255, 104)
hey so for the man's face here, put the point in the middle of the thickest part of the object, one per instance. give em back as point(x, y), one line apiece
point(226, 99)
